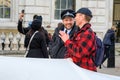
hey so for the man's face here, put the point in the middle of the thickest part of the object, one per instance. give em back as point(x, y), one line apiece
point(68, 22)
point(79, 18)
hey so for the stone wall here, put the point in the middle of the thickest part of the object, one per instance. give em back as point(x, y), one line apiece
point(101, 21)
point(32, 7)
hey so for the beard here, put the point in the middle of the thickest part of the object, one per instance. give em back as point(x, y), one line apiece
point(69, 26)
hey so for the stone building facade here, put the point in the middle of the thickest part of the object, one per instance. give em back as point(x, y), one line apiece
point(103, 11)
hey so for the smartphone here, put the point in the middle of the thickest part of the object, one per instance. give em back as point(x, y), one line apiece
point(23, 11)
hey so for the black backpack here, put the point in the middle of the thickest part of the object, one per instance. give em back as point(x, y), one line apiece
point(99, 52)
point(99, 55)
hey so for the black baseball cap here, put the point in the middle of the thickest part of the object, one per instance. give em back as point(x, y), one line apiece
point(85, 11)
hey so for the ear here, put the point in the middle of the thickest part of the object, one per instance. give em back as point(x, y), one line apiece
point(83, 16)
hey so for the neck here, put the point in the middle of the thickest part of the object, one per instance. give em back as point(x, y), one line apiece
point(82, 24)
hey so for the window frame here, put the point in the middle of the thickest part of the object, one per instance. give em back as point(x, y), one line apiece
point(53, 11)
point(7, 19)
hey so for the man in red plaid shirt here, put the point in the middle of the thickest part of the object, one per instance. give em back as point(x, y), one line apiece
point(82, 46)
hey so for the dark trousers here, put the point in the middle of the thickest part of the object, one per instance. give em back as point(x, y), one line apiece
point(109, 54)
point(111, 58)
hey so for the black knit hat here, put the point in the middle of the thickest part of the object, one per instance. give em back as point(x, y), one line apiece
point(39, 18)
point(36, 24)
point(68, 12)
point(85, 11)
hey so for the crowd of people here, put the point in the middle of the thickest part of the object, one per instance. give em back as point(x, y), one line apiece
point(71, 38)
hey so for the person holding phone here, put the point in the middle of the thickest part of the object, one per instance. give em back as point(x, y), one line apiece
point(25, 30)
point(20, 27)
point(36, 43)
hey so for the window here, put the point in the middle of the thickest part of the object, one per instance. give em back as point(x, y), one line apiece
point(5, 9)
point(61, 5)
point(117, 12)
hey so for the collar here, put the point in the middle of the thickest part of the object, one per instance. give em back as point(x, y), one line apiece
point(68, 31)
point(85, 27)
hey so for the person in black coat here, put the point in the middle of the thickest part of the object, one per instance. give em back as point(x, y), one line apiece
point(37, 47)
point(56, 47)
point(109, 44)
point(24, 30)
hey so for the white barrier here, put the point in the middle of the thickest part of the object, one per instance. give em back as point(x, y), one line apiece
point(14, 68)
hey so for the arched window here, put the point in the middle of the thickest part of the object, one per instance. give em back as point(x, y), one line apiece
point(5, 6)
point(61, 5)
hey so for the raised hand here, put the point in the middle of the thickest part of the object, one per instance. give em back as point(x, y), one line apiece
point(63, 36)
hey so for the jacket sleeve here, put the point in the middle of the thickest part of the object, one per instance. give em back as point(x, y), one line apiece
point(112, 38)
point(43, 46)
point(21, 29)
point(52, 45)
point(46, 36)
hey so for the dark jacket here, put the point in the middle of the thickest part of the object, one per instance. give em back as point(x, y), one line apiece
point(25, 30)
point(37, 48)
point(109, 38)
point(57, 48)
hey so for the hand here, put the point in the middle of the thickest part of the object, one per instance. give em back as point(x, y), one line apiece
point(70, 59)
point(21, 16)
point(63, 36)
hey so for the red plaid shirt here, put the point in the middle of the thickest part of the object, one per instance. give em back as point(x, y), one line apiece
point(81, 47)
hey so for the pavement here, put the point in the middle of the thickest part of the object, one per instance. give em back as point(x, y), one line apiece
point(112, 71)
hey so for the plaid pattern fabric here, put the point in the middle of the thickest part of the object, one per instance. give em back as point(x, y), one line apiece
point(81, 47)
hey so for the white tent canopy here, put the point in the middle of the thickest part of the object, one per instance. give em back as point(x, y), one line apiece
point(14, 68)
